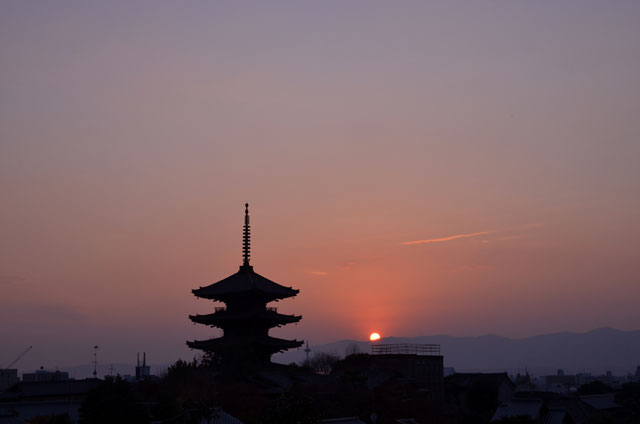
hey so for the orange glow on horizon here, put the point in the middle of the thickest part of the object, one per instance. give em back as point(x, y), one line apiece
point(374, 336)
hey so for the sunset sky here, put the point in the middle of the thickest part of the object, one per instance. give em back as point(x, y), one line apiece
point(413, 168)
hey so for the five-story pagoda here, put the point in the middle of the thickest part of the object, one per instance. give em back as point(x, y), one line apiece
point(246, 319)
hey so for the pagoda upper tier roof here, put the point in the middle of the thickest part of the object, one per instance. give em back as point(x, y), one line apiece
point(243, 282)
point(224, 317)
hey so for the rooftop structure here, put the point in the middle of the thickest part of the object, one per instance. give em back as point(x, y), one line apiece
point(246, 319)
point(142, 371)
point(405, 349)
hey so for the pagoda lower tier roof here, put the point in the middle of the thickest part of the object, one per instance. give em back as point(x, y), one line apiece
point(242, 282)
point(223, 317)
point(224, 343)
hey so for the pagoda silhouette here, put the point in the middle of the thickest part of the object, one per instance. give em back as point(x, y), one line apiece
point(245, 320)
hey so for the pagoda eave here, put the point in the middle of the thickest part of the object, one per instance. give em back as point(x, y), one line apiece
point(245, 282)
point(219, 318)
point(223, 343)
point(225, 297)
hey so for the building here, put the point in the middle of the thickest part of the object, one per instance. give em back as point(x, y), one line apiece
point(559, 383)
point(142, 371)
point(478, 394)
point(44, 375)
point(28, 400)
point(546, 407)
point(399, 367)
point(245, 320)
point(533, 409)
point(8, 377)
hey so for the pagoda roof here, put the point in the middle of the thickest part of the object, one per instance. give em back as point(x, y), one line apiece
point(222, 316)
point(273, 344)
point(242, 282)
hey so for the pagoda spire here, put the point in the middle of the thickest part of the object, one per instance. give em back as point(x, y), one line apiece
point(246, 238)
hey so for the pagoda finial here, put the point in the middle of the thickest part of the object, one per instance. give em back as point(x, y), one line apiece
point(246, 237)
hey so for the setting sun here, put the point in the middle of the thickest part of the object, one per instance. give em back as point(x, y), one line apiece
point(374, 336)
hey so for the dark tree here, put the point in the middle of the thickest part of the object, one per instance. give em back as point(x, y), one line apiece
point(629, 398)
point(352, 349)
point(323, 362)
point(594, 388)
point(112, 401)
point(186, 386)
point(482, 399)
point(291, 408)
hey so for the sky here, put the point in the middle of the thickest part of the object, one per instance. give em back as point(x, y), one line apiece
point(413, 168)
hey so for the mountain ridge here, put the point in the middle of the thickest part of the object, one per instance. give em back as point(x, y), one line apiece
point(594, 351)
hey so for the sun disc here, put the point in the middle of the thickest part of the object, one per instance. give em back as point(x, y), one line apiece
point(374, 336)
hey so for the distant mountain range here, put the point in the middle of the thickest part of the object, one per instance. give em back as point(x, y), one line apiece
point(595, 351)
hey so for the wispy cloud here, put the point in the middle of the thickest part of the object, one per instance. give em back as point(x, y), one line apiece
point(470, 268)
point(32, 312)
point(62, 312)
point(454, 237)
point(508, 236)
point(10, 279)
point(347, 266)
point(320, 273)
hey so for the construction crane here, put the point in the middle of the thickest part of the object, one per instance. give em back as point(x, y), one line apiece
point(18, 358)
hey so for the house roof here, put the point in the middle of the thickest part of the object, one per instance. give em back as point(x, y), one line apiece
point(218, 416)
point(606, 401)
point(468, 379)
point(555, 416)
point(518, 407)
point(344, 420)
point(579, 411)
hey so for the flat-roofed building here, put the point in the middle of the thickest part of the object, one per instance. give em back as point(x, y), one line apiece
point(8, 377)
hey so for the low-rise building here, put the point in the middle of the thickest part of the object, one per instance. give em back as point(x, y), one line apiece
point(8, 377)
point(43, 375)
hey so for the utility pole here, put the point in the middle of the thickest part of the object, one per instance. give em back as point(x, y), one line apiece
point(307, 350)
point(95, 361)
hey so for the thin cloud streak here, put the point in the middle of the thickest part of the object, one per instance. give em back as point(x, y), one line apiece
point(441, 239)
point(477, 234)
point(10, 279)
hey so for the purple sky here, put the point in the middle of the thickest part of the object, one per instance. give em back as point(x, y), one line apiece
point(412, 167)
